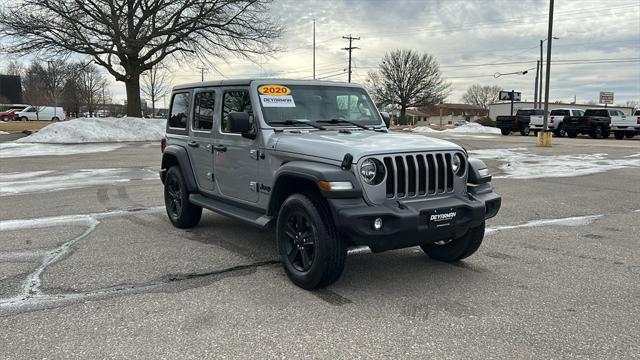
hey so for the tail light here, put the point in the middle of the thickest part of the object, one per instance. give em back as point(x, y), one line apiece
point(552, 119)
point(638, 120)
point(163, 144)
point(517, 119)
point(589, 120)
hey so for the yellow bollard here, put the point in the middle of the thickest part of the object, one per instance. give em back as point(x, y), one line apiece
point(544, 139)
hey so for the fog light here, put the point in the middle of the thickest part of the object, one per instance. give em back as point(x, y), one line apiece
point(377, 224)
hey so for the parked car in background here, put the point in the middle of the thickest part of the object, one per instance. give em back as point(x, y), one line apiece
point(555, 124)
point(8, 115)
point(595, 123)
point(45, 113)
point(519, 122)
point(626, 126)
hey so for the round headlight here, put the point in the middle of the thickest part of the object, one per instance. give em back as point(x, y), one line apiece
point(372, 171)
point(457, 164)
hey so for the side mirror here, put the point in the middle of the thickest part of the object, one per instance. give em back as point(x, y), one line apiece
point(386, 118)
point(240, 122)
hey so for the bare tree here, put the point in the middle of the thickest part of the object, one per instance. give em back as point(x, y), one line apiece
point(408, 79)
point(481, 96)
point(15, 68)
point(90, 86)
point(35, 91)
point(155, 85)
point(632, 103)
point(129, 37)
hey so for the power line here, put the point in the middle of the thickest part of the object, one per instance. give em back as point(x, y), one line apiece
point(350, 48)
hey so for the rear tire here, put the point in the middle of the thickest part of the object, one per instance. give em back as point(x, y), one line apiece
point(596, 133)
point(24, 118)
point(312, 253)
point(55, 118)
point(456, 249)
point(181, 212)
point(505, 132)
point(524, 131)
point(560, 132)
point(619, 135)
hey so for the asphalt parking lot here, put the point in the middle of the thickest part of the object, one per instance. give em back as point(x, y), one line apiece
point(94, 269)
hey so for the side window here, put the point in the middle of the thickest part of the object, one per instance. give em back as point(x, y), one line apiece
point(203, 106)
point(179, 110)
point(234, 101)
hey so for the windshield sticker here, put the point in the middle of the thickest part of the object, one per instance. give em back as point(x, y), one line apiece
point(274, 90)
point(277, 101)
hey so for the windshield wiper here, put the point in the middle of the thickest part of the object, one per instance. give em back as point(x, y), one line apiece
point(343, 121)
point(297, 122)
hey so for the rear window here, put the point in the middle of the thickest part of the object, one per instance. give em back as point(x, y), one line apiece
point(526, 112)
point(596, 112)
point(559, 113)
point(179, 110)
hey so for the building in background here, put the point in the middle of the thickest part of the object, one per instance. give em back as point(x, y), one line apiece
point(10, 89)
point(504, 108)
point(450, 113)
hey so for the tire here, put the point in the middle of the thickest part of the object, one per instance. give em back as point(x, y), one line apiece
point(596, 133)
point(55, 118)
point(5, 118)
point(456, 249)
point(606, 133)
point(535, 133)
point(524, 131)
point(572, 134)
point(312, 253)
point(181, 212)
point(505, 132)
point(630, 134)
point(560, 132)
point(24, 118)
point(619, 135)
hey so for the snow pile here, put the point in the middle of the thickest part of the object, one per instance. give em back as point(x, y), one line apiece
point(522, 164)
point(469, 128)
point(3, 133)
point(13, 149)
point(92, 130)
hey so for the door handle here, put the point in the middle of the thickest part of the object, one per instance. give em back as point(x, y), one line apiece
point(220, 148)
point(193, 144)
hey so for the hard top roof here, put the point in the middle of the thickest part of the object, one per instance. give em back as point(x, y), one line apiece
point(247, 82)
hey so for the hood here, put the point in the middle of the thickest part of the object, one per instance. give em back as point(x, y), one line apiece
point(334, 145)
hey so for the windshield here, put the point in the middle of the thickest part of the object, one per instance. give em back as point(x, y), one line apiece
point(308, 103)
point(559, 113)
point(530, 112)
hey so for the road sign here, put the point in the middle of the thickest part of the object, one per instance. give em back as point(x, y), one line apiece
point(506, 96)
point(606, 97)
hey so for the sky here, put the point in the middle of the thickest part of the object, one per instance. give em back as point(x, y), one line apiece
point(472, 41)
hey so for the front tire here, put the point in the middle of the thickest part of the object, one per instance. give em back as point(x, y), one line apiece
point(572, 134)
point(505, 132)
point(619, 135)
point(181, 212)
point(630, 134)
point(560, 132)
point(456, 249)
point(312, 253)
point(524, 131)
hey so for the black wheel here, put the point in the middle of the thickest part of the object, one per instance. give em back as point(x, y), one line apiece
point(572, 134)
point(24, 118)
point(5, 118)
point(596, 133)
point(619, 135)
point(55, 118)
point(630, 134)
point(311, 251)
point(505, 132)
point(456, 249)
point(606, 133)
point(560, 132)
point(181, 212)
point(535, 133)
point(524, 131)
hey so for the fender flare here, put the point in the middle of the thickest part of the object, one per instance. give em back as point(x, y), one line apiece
point(177, 154)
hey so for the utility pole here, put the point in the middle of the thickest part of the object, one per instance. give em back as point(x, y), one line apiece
point(544, 138)
point(349, 49)
point(540, 91)
point(202, 69)
point(314, 49)
point(535, 87)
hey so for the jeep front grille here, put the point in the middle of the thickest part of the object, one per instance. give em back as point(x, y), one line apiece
point(418, 175)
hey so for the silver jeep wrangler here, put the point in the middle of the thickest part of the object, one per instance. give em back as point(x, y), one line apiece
point(315, 160)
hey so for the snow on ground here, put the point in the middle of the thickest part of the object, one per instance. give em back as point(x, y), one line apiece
point(93, 130)
point(3, 133)
point(519, 163)
point(53, 180)
point(470, 128)
point(13, 149)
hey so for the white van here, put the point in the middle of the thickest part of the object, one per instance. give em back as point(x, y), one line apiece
point(45, 113)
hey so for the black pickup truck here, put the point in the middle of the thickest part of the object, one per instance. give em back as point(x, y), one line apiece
point(595, 123)
point(519, 122)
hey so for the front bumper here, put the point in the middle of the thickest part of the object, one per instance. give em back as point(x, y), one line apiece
point(411, 223)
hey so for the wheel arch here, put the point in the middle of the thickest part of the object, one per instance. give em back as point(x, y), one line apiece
point(177, 155)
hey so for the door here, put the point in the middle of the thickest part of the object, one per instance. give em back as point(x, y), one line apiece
point(235, 159)
point(200, 142)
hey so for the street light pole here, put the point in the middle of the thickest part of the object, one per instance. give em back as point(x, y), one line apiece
point(544, 138)
point(535, 86)
point(540, 90)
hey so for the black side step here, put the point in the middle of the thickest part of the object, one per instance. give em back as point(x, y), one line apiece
point(252, 217)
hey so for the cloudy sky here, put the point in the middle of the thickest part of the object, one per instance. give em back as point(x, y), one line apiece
point(598, 47)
